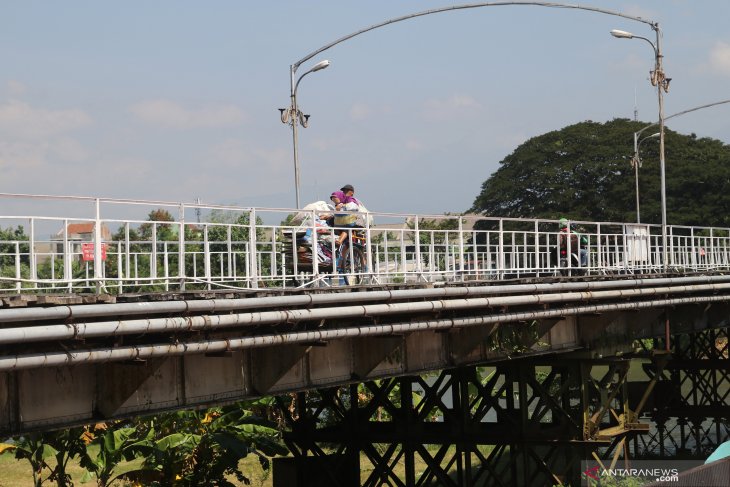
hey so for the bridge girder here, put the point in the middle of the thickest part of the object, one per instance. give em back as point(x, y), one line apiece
point(87, 391)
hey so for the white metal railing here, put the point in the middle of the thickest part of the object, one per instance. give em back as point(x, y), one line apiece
point(218, 247)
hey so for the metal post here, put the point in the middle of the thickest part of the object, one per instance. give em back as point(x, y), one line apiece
point(32, 262)
point(252, 261)
point(206, 254)
point(294, 116)
point(417, 245)
point(153, 257)
point(127, 252)
point(120, 270)
point(659, 80)
point(315, 246)
point(67, 263)
point(98, 265)
point(660, 84)
point(636, 174)
point(462, 267)
point(18, 274)
point(294, 119)
point(181, 248)
point(500, 258)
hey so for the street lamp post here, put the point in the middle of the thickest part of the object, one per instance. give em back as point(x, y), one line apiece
point(636, 162)
point(292, 112)
point(659, 80)
point(294, 117)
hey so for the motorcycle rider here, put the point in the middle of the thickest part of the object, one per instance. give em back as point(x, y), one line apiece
point(341, 198)
point(578, 242)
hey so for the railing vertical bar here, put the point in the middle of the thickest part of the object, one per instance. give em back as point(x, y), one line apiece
point(98, 263)
point(67, 261)
point(31, 255)
point(153, 257)
point(252, 248)
point(500, 248)
point(274, 253)
point(461, 247)
point(181, 247)
point(403, 257)
point(417, 245)
point(120, 268)
point(166, 264)
point(127, 251)
point(315, 244)
point(18, 274)
point(206, 257)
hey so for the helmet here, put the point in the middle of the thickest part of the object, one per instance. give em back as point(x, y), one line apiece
point(563, 222)
point(347, 187)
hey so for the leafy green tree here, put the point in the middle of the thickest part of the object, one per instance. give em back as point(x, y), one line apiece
point(584, 171)
point(39, 447)
point(8, 238)
point(33, 449)
point(203, 447)
point(164, 230)
point(117, 443)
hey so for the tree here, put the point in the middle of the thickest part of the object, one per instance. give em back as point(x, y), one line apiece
point(35, 450)
point(12, 240)
point(584, 172)
point(117, 443)
point(38, 447)
point(164, 230)
point(203, 447)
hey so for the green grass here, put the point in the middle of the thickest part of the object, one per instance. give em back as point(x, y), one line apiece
point(17, 473)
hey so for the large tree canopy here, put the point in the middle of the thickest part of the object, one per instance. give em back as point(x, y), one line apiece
point(584, 172)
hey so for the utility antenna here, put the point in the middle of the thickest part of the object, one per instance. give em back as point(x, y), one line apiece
point(636, 109)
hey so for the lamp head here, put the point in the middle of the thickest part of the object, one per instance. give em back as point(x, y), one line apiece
point(320, 65)
point(622, 34)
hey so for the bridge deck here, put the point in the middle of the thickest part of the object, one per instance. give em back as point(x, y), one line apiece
point(68, 363)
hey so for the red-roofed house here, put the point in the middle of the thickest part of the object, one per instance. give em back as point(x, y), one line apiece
point(78, 233)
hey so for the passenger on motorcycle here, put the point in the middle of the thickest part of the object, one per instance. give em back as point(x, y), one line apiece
point(344, 200)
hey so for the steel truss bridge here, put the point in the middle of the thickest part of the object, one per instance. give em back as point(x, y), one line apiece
point(460, 353)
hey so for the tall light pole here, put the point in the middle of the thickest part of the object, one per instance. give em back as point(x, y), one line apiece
point(661, 82)
point(636, 162)
point(294, 117)
point(293, 112)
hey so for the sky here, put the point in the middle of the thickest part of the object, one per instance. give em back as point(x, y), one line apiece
point(178, 100)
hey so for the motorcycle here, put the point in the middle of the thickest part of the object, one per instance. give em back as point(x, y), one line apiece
point(350, 257)
point(575, 263)
point(570, 266)
point(346, 259)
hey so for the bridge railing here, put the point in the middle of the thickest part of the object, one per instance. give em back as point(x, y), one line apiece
point(77, 244)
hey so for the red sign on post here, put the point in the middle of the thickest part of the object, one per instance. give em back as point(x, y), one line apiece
point(87, 251)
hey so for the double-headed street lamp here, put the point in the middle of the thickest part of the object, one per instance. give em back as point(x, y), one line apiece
point(636, 159)
point(294, 117)
point(659, 80)
point(636, 163)
point(290, 115)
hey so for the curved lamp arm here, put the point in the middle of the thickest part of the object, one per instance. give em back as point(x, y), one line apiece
point(309, 56)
